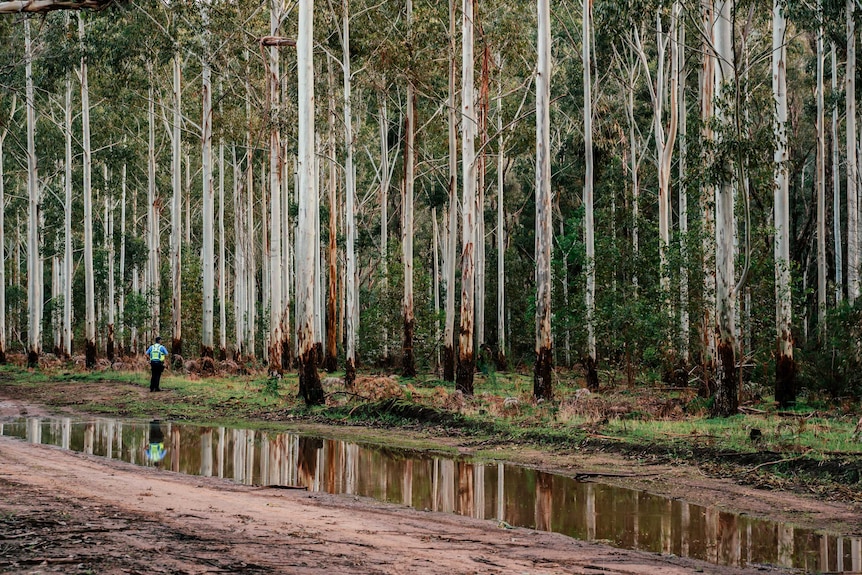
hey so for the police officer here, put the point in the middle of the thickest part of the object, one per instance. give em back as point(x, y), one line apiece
point(156, 354)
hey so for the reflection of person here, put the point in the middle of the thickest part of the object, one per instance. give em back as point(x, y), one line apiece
point(156, 447)
point(156, 354)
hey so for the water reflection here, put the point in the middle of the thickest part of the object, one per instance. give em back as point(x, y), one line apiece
point(517, 495)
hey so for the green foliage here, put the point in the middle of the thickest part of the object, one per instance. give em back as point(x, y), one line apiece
point(835, 366)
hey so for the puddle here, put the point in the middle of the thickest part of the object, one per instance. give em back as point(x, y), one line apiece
point(518, 496)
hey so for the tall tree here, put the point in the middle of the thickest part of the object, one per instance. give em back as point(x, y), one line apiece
point(409, 318)
point(208, 211)
point(820, 177)
point(452, 244)
point(34, 279)
point(276, 302)
point(589, 229)
point(466, 353)
point(852, 166)
point(726, 397)
point(4, 130)
point(306, 236)
point(543, 373)
point(352, 309)
point(176, 211)
point(785, 389)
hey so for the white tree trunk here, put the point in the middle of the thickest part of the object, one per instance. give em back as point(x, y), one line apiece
point(109, 241)
point(222, 278)
point(121, 305)
point(67, 221)
point(208, 255)
point(707, 197)
point(452, 244)
point(251, 290)
point(351, 295)
point(726, 396)
point(34, 279)
point(543, 373)
point(276, 301)
point(409, 361)
point(852, 167)
point(176, 213)
point(240, 283)
point(836, 186)
point(383, 120)
point(306, 237)
point(501, 229)
point(684, 327)
point(785, 392)
point(466, 356)
point(330, 360)
point(589, 230)
point(89, 286)
point(821, 184)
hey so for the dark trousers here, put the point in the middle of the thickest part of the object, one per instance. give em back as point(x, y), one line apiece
point(156, 368)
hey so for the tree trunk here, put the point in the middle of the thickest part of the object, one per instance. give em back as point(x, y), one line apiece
point(176, 215)
point(351, 296)
point(589, 231)
point(222, 279)
point(836, 186)
point(306, 240)
point(785, 385)
point(452, 244)
point(408, 364)
point(852, 169)
point(109, 241)
point(466, 355)
point(684, 327)
point(276, 273)
point(707, 197)
point(330, 361)
point(482, 123)
point(726, 396)
point(250, 271)
point(34, 279)
point(501, 230)
point(384, 209)
point(208, 238)
point(544, 370)
point(122, 298)
point(240, 283)
point(68, 266)
point(3, 224)
point(821, 187)
point(89, 285)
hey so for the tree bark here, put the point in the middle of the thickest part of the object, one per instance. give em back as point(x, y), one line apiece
point(852, 166)
point(176, 214)
point(836, 186)
point(726, 398)
point(384, 209)
point(89, 286)
point(589, 230)
point(466, 354)
point(501, 229)
point(821, 186)
point(276, 262)
point(707, 197)
point(222, 278)
point(408, 362)
point(330, 360)
point(684, 326)
point(452, 244)
point(351, 295)
point(207, 215)
point(306, 239)
point(785, 369)
point(34, 279)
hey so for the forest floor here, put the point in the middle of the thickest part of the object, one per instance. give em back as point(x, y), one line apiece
point(62, 512)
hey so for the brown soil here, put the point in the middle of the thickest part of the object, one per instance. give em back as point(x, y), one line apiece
point(62, 512)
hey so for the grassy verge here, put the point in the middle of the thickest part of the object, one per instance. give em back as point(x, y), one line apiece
point(812, 448)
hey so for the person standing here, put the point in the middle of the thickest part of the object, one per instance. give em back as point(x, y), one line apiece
point(156, 354)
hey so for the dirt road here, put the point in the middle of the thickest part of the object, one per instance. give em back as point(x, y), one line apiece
point(64, 512)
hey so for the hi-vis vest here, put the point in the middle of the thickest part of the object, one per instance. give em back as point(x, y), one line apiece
point(156, 353)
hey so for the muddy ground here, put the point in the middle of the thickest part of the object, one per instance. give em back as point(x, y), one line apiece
point(63, 512)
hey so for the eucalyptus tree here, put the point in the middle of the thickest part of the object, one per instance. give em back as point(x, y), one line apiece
point(208, 211)
point(785, 392)
point(452, 244)
point(543, 373)
point(306, 236)
point(352, 308)
point(176, 209)
point(34, 277)
point(820, 179)
point(589, 229)
point(4, 130)
point(409, 317)
point(852, 165)
point(466, 353)
point(726, 396)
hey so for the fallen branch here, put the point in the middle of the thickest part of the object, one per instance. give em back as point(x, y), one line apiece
point(787, 460)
